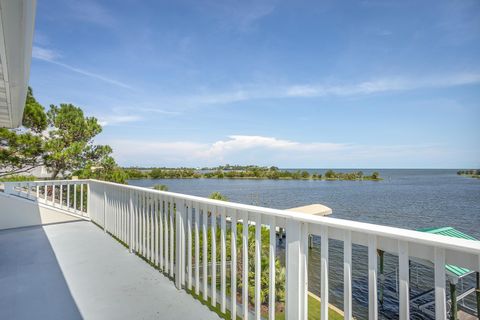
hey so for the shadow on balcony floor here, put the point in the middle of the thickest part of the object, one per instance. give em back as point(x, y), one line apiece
point(73, 270)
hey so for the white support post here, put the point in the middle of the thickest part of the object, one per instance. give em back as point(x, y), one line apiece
point(372, 278)
point(171, 233)
point(223, 258)
point(440, 297)
point(272, 256)
point(81, 198)
point(233, 268)
point(156, 215)
point(258, 267)
point(130, 215)
point(214, 255)
point(61, 195)
point(324, 273)
point(189, 245)
point(74, 196)
point(179, 250)
point(347, 274)
point(53, 195)
point(197, 249)
point(160, 235)
point(403, 272)
point(245, 263)
point(205, 252)
point(89, 197)
point(295, 290)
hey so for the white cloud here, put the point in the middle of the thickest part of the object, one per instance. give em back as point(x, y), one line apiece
point(117, 119)
point(51, 56)
point(243, 15)
point(375, 86)
point(249, 149)
point(383, 85)
point(44, 54)
point(92, 12)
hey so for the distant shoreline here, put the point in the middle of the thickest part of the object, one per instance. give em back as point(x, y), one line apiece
point(249, 173)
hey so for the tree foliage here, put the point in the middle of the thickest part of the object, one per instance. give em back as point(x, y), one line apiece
point(69, 144)
point(60, 139)
point(23, 149)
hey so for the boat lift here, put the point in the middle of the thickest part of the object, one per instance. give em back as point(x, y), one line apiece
point(455, 276)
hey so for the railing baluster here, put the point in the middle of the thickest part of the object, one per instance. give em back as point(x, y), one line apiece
point(197, 249)
point(81, 197)
point(205, 252)
point(245, 265)
point(440, 300)
point(115, 210)
point(223, 273)
point(180, 243)
point(68, 196)
point(135, 221)
point(75, 197)
point(150, 228)
point(144, 225)
point(324, 273)
point(131, 221)
point(172, 212)
point(214, 254)
point(161, 226)
point(53, 195)
point(167, 238)
point(258, 267)
point(189, 245)
point(156, 214)
point(272, 257)
point(347, 274)
point(372, 278)
point(125, 216)
point(233, 267)
point(403, 272)
point(61, 195)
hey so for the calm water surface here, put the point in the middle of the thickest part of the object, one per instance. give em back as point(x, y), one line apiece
point(405, 198)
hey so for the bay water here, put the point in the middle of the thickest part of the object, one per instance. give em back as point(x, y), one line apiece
point(406, 198)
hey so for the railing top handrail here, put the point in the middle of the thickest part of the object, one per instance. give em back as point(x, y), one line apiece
point(355, 226)
point(49, 181)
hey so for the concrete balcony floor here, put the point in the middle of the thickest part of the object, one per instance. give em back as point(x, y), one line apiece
point(74, 271)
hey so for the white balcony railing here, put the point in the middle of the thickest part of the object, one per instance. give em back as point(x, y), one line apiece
point(169, 230)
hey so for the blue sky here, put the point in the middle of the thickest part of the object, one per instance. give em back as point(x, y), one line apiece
point(341, 84)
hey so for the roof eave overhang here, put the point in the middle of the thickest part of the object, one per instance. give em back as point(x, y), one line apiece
point(17, 21)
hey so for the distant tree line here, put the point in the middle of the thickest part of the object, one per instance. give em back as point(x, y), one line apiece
point(471, 172)
point(245, 172)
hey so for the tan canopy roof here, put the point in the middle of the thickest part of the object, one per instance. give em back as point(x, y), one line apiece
point(315, 209)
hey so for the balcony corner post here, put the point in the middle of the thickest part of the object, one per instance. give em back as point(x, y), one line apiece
point(89, 197)
point(295, 277)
